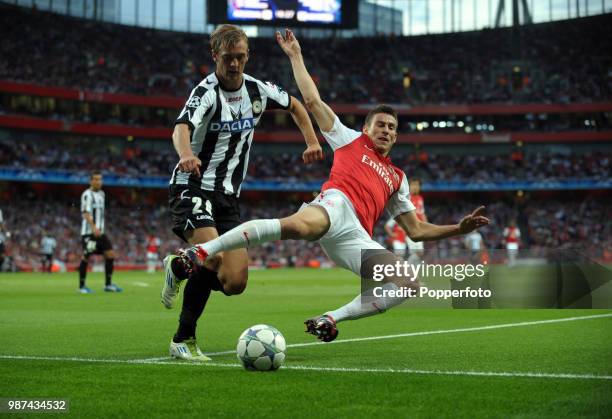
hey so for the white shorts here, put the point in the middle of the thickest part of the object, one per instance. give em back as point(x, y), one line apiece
point(414, 246)
point(399, 245)
point(512, 246)
point(152, 256)
point(346, 237)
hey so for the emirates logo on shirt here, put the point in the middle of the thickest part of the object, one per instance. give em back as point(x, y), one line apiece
point(381, 170)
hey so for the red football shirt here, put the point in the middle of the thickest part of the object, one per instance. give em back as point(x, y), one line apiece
point(399, 235)
point(368, 179)
point(512, 234)
point(153, 244)
point(419, 204)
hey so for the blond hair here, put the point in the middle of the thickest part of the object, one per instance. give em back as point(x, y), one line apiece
point(226, 36)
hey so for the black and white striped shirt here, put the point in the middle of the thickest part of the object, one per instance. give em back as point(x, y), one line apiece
point(93, 203)
point(2, 236)
point(222, 125)
point(47, 245)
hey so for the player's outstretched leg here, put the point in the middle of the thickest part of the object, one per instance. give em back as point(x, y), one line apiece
point(364, 305)
point(249, 234)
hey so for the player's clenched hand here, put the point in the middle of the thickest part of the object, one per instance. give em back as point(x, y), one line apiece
point(312, 154)
point(473, 221)
point(288, 43)
point(190, 164)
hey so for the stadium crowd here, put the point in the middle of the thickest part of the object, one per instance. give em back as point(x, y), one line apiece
point(131, 116)
point(546, 224)
point(471, 67)
point(87, 154)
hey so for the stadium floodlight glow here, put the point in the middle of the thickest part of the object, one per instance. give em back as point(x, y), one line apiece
point(491, 127)
point(419, 126)
point(425, 124)
point(450, 124)
point(478, 127)
point(442, 124)
point(435, 124)
point(468, 129)
point(460, 124)
point(587, 122)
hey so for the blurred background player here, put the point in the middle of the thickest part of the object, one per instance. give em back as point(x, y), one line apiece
point(416, 249)
point(93, 239)
point(512, 237)
point(47, 250)
point(397, 236)
point(212, 137)
point(153, 243)
point(473, 242)
point(4, 235)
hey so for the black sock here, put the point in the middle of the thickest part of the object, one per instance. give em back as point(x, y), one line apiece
point(196, 294)
point(212, 280)
point(108, 270)
point(82, 273)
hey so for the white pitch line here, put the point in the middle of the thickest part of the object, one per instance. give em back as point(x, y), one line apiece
point(161, 358)
point(141, 284)
point(437, 332)
point(515, 374)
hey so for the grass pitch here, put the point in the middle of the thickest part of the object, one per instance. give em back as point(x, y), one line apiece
point(107, 354)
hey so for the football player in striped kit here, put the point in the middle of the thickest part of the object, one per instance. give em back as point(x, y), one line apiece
point(47, 249)
point(212, 137)
point(4, 235)
point(93, 239)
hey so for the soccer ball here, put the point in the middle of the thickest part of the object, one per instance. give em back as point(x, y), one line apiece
point(261, 348)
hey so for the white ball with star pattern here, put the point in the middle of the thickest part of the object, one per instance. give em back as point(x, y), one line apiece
point(261, 348)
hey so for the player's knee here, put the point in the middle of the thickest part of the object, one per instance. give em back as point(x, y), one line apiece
point(234, 288)
point(234, 281)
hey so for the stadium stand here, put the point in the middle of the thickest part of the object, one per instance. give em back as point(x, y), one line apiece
point(70, 52)
point(80, 100)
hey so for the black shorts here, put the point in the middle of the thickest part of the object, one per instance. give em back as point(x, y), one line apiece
point(194, 208)
point(47, 257)
point(1, 249)
point(95, 245)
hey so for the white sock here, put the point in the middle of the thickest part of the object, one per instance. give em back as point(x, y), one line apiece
point(367, 305)
point(249, 234)
point(414, 259)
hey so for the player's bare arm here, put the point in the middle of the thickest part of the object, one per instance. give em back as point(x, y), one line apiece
point(320, 110)
point(300, 116)
point(188, 162)
point(91, 223)
point(423, 231)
